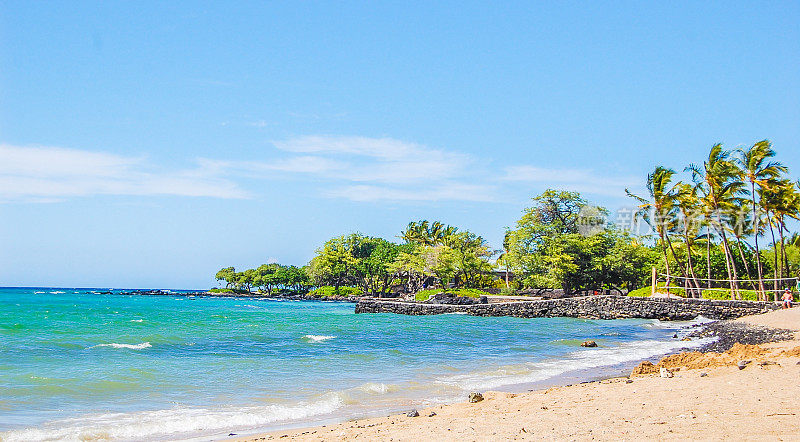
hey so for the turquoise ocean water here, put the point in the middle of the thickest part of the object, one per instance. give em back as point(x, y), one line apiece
point(79, 365)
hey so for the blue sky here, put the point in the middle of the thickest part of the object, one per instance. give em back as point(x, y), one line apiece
point(148, 144)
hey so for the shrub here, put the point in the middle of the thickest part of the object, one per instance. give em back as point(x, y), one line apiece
point(646, 291)
point(329, 291)
point(237, 291)
point(747, 295)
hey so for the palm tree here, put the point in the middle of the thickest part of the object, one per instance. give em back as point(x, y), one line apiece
point(427, 233)
point(687, 202)
point(659, 211)
point(758, 170)
point(788, 207)
point(719, 182)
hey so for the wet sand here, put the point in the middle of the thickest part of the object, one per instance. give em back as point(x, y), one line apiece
point(713, 401)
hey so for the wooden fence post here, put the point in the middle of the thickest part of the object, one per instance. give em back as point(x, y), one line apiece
point(653, 283)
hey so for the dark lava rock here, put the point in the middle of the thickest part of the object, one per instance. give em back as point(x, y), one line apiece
point(702, 375)
point(589, 344)
point(475, 397)
point(412, 413)
point(730, 332)
point(432, 414)
point(743, 364)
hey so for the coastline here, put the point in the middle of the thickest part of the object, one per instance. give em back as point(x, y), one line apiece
point(716, 401)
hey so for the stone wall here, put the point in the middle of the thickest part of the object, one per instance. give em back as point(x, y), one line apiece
point(589, 307)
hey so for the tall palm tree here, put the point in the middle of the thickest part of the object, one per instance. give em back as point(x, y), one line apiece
point(687, 202)
point(659, 211)
point(788, 207)
point(719, 182)
point(740, 227)
point(780, 200)
point(758, 170)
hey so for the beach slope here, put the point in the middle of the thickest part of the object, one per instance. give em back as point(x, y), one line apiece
point(715, 401)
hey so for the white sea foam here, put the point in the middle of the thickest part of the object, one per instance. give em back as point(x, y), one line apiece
point(38, 292)
point(579, 360)
point(317, 338)
point(57, 292)
point(137, 320)
point(141, 346)
point(176, 423)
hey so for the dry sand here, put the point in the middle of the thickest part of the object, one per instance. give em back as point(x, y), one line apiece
point(714, 401)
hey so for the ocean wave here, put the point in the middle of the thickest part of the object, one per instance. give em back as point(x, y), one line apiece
point(141, 346)
point(316, 338)
point(137, 320)
point(172, 423)
point(580, 360)
point(38, 292)
point(57, 292)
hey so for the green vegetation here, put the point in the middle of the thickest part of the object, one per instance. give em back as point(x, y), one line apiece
point(647, 291)
point(563, 242)
point(330, 291)
point(229, 290)
point(267, 278)
point(424, 295)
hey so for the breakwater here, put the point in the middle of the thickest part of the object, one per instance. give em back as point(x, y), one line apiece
point(587, 307)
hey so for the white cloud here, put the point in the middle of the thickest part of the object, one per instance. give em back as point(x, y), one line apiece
point(52, 173)
point(354, 168)
point(399, 170)
point(580, 180)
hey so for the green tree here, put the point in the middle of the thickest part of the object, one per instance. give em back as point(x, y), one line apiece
point(227, 274)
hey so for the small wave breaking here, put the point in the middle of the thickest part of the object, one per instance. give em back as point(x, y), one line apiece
point(141, 346)
point(317, 338)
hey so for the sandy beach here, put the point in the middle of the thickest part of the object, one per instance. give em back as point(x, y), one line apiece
point(712, 400)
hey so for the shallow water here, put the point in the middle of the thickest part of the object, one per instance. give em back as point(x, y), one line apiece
point(77, 364)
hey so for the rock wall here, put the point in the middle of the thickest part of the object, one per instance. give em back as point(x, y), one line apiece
point(589, 307)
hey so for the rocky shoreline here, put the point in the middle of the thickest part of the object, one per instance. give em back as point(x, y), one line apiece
point(207, 294)
point(729, 333)
point(585, 307)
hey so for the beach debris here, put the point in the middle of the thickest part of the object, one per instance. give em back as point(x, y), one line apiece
point(675, 336)
point(475, 397)
point(666, 373)
point(703, 374)
point(589, 344)
point(433, 413)
point(629, 381)
point(412, 413)
point(743, 364)
point(686, 339)
point(765, 363)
